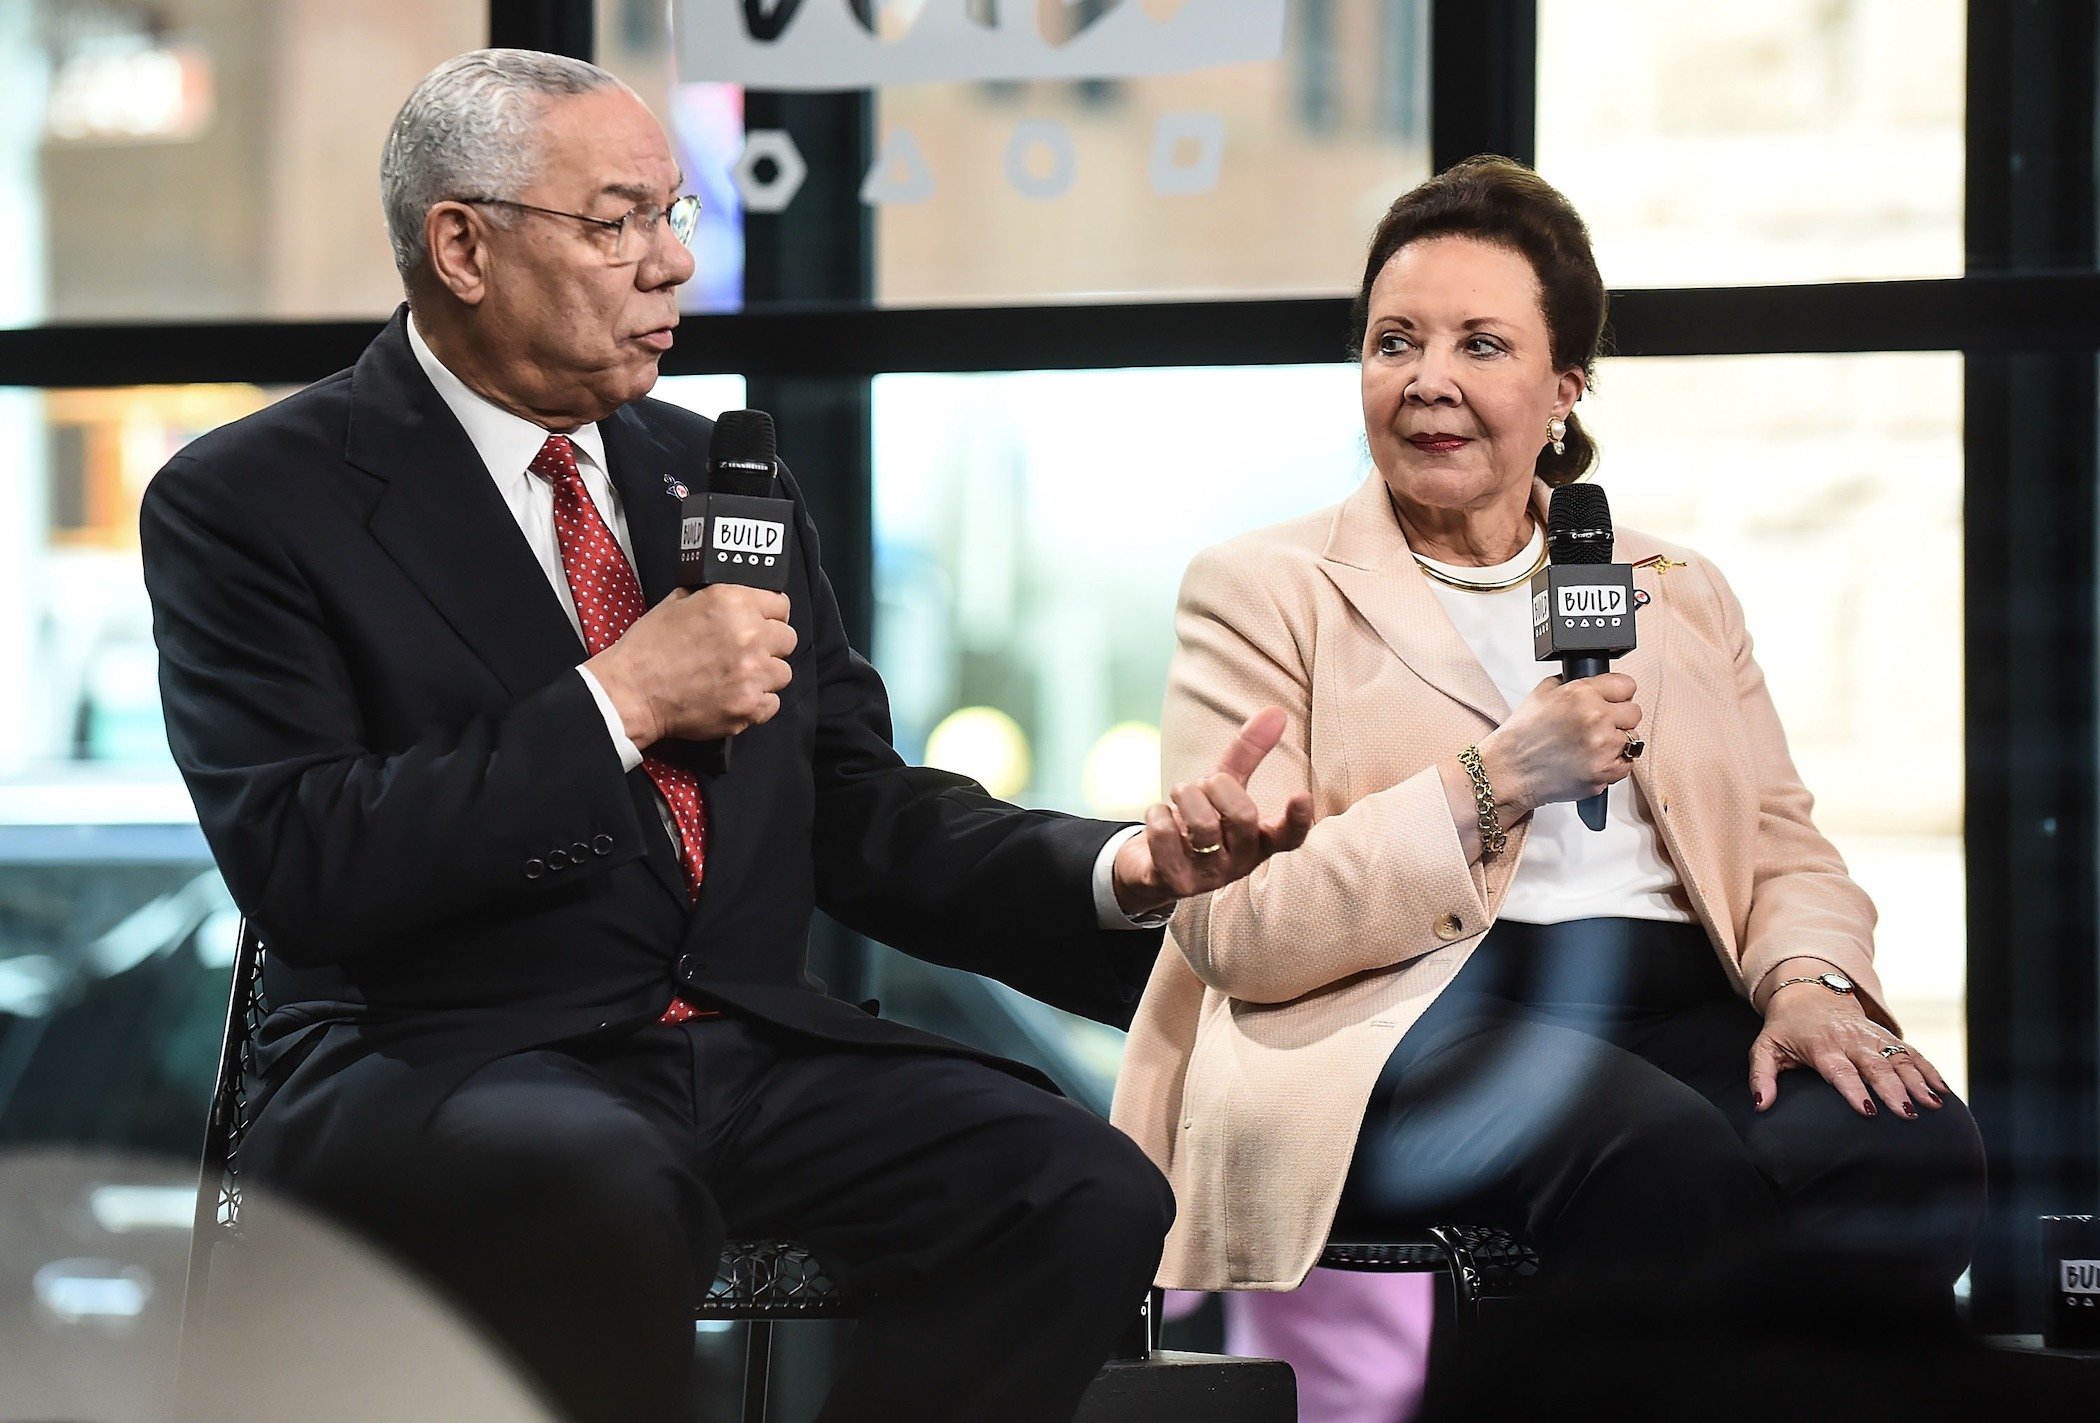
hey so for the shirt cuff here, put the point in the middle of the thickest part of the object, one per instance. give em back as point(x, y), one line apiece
point(630, 754)
point(1107, 913)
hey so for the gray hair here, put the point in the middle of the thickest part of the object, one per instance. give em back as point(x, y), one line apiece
point(466, 130)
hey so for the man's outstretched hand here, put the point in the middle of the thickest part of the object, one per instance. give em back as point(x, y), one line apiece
point(1208, 833)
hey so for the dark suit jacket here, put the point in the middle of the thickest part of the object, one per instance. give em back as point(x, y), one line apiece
point(369, 686)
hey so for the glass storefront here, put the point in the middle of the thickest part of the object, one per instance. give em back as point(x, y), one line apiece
point(216, 160)
point(205, 158)
point(1828, 489)
point(1790, 141)
point(1249, 178)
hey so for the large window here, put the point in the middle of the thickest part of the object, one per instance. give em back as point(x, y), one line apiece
point(1258, 176)
point(1790, 141)
point(79, 705)
point(205, 158)
point(1255, 177)
point(1828, 490)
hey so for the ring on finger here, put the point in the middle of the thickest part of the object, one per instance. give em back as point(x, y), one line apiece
point(1635, 745)
point(1195, 849)
point(1894, 1049)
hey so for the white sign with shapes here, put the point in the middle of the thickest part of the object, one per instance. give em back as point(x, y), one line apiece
point(863, 44)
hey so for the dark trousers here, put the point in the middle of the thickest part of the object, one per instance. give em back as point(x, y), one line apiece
point(1588, 1083)
point(574, 1199)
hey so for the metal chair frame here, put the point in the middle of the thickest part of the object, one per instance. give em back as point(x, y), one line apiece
point(762, 1282)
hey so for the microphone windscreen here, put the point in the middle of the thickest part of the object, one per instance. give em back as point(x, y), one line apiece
point(743, 437)
point(1578, 525)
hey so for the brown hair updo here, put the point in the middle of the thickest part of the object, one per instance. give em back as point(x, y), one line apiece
point(1500, 201)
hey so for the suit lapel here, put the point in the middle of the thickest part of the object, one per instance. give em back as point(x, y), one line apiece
point(1368, 560)
point(639, 464)
point(441, 519)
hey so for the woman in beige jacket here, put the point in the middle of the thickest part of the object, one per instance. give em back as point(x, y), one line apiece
point(1649, 1046)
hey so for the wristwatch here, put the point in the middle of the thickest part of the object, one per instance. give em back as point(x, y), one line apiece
point(1834, 981)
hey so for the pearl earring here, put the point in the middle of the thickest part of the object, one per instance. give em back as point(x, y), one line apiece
point(1557, 432)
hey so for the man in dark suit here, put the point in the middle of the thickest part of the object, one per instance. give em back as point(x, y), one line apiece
point(541, 1023)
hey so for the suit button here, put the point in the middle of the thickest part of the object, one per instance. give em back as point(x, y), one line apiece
point(534, 869)
point(556, 860)
point(691, 964)
point(577, 851)
point(1450, 927)
point(602, 845)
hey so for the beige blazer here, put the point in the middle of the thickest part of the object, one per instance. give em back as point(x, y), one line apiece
point(1277, 999)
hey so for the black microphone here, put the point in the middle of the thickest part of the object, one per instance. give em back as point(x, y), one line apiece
point(737, 529)
point(1581, 602)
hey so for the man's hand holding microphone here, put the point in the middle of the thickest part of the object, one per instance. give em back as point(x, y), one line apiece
point(701, 665)
point(711, 660)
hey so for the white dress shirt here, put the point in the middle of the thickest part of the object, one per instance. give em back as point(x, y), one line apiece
point(1569, 871)
point(507, 444)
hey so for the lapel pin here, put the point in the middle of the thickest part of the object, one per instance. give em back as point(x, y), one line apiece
point(1659, 563)
point(673, 488)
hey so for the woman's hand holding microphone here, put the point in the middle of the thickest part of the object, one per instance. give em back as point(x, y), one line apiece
point(1567, 741)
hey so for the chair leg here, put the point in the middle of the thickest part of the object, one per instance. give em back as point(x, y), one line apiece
point(1464, 1278)
point(1140, 1338)
point(758, 1368)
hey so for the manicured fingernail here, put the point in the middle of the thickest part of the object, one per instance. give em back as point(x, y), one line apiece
point(1871, 1109)
point(1757, 1099)
point(1936, 1097)
point(1910, 1111)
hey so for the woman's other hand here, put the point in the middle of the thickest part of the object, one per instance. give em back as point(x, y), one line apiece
point(1567, 741)
point(1806, 1025)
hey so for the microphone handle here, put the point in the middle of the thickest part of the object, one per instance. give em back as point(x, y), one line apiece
point(1590, 808)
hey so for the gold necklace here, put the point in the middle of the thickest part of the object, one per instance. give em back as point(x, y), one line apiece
point(1467, 585)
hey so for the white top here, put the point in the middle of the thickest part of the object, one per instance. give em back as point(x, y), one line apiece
point(1568, 870)
point(508, 444)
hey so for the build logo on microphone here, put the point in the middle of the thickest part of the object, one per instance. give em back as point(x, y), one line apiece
point(1592, 600)
point(758, 541)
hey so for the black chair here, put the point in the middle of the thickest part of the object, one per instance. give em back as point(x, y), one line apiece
point(1483, 1265)
point(757, 1282)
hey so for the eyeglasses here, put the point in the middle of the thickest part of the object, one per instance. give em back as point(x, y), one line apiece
point(634, 233)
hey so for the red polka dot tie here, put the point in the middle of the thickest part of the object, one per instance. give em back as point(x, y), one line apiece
point(608, 600)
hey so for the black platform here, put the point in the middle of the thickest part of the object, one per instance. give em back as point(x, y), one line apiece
point(1170, 1387)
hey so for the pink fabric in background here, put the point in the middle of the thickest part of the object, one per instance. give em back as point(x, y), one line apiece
point(1181, 1304)
point(1358, 1342)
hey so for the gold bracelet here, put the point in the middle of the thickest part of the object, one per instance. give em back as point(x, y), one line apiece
point(1493, 839)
